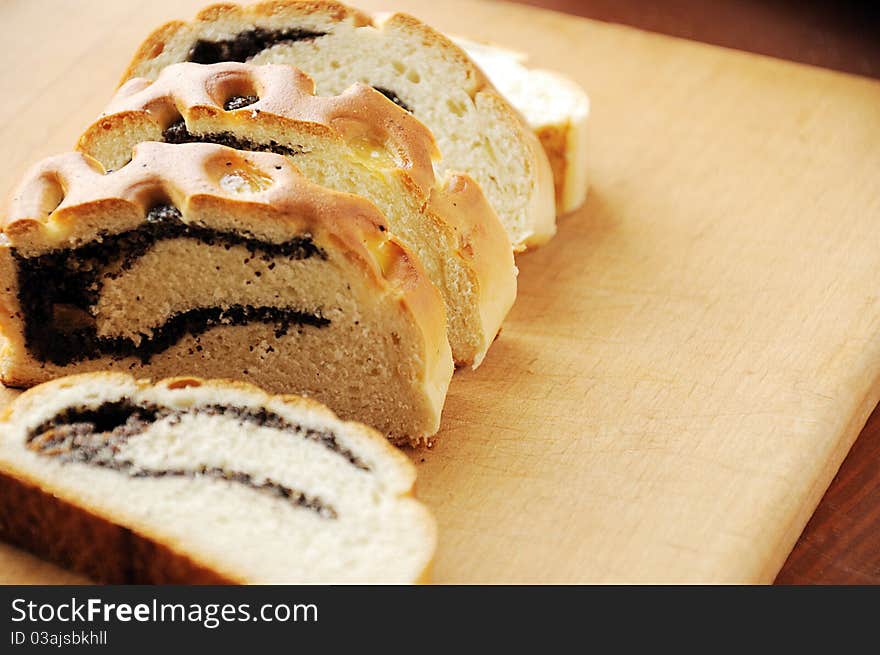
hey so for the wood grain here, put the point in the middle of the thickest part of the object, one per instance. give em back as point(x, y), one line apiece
point(841, 543)
point(688, 362)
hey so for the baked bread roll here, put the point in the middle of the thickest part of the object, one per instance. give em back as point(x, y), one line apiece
point(478, 132)
point(359, 142)
point(556, 107)
point(199, 259)
point(191, 481)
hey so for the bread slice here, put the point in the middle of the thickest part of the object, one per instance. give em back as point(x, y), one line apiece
point(477, 130)
point(556, 107)
point(198, 259)
point(194, 481)
point(359, 142)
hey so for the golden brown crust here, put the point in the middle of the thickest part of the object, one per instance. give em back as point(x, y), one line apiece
point(335, 10)
point(275, 198)
point(155, 42)
point(75, 538)
point(554, 139)
point(286, 95)
point(484, 244)
point(49, 522)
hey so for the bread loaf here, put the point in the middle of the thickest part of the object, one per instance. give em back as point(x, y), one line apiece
point(478, 131)
point(358, 142)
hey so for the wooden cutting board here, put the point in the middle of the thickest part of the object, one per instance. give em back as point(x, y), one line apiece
point(688, 362)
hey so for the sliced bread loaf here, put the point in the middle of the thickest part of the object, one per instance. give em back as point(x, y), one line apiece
point(359, 142)
point(193, 481)
point(478, 131)
point(198, 259)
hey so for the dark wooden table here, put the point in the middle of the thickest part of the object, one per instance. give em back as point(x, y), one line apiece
point(841, 543)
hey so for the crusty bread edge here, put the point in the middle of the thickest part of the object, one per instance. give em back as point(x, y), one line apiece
point(566, 148)
point(155, 42)
point(59, 531)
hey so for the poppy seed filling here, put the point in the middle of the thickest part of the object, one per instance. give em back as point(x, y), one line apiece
point(177, 132)
point(393, 97)
point(239, 102)
point(57, 292)
point(245, 45)
point(97, 437)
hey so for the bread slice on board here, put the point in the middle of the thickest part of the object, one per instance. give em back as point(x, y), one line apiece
point(357, 142)
point(556, 107)
point(192, 481)
point(197, 259)
point(478, 131)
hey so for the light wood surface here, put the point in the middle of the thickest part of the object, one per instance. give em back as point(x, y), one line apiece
point(688, 361)
point(841, 543)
